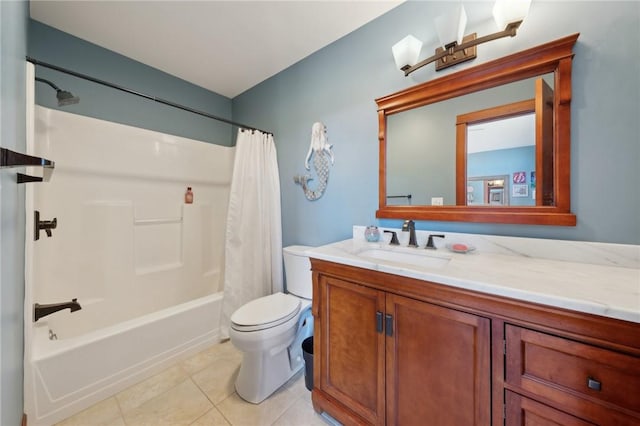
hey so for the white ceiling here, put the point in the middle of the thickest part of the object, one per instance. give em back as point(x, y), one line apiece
point(512, 132)
point(224, 46)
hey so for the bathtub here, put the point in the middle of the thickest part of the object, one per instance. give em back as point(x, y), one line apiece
point(68, 375)
point(145, 267)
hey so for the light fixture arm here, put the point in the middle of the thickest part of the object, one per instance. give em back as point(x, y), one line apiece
point(509, 31)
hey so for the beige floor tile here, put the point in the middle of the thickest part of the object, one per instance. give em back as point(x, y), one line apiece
point(218, 380)
point(300, 414)
point(296, 384)
point(142, 392)
point(213, 417)
point(306, 396)
point(117, 422)
point(100, 414)
point(181, 405)
point(241, 413)
point(209, 356)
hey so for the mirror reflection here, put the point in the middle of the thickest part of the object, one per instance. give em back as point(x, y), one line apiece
point(499, 126)
point(504, 147)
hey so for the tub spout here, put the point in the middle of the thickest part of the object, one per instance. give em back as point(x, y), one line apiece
point(40, 311)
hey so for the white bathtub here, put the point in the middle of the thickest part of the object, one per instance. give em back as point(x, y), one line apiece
point(145, 267)
point(68, 375)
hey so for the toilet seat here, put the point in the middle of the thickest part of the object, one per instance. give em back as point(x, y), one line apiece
point(265, 312)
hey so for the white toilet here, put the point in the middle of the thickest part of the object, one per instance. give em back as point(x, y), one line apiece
point(269, 331)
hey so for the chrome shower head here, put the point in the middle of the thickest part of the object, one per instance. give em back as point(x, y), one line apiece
point(64, 97)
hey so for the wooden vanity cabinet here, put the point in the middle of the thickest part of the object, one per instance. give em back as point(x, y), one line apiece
point(520, 410)
point(383, 358)
point(601, 384)
point(437, 364)
point(391, 350)
point(353, 351)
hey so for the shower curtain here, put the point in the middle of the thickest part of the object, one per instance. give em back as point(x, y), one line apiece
point(253, 241)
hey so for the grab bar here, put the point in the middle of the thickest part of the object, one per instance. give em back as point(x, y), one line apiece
point(9, 158)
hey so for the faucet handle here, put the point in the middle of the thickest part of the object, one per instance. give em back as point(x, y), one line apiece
point(430, 244)
point(394, 238)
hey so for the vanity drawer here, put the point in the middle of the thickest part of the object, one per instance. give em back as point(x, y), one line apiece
point(571, 373)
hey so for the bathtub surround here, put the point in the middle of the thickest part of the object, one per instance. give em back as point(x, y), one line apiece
point(253, 237)
point(144, 265)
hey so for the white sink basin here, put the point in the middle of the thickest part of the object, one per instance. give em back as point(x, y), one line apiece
point(410, 257)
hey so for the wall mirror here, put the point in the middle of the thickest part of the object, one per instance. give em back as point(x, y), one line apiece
point(486, 144)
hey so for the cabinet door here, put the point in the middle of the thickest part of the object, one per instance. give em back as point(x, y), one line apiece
point(352, 364)
point(438, 365)
point(521, 411)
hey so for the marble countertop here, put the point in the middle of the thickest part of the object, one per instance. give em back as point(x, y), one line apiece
point(607, 285)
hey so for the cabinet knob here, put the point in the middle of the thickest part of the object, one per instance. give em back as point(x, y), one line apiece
point(593, 384)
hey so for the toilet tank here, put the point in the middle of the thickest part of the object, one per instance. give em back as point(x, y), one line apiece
point(297, 269)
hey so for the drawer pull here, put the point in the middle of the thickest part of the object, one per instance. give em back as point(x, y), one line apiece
point(379, 322)
point(593, 384)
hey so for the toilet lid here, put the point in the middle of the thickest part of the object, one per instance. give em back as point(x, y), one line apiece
point(265, 312)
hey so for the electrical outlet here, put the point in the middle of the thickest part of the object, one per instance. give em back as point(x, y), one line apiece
point(437, 201)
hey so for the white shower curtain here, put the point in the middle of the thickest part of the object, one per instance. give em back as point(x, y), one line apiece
point(253, 241)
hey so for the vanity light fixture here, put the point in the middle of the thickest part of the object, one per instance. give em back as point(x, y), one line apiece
point(455, 49)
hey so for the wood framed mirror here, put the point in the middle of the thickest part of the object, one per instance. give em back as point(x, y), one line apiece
point(443, 194)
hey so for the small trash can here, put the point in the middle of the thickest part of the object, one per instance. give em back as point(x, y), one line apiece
point(307, 353)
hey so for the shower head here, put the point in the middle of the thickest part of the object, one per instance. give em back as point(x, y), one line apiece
point(64, 97)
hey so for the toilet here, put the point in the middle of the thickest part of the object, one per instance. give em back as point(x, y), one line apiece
point(269, 331)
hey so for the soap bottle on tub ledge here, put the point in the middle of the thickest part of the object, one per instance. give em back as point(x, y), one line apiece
point(188, 196)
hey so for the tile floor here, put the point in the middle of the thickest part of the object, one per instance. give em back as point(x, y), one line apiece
point(200, 392)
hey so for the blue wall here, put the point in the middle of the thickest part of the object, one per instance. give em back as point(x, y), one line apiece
point(338, 85)
point(49, 45)
point(13, 36)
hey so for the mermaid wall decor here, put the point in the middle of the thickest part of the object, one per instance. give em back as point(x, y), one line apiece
point(320, 150)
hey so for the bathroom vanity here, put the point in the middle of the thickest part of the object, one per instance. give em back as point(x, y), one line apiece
point(484, 338)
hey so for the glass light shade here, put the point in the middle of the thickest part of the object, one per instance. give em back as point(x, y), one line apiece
point(508, 11)
point(451, 26)
point(406, 51)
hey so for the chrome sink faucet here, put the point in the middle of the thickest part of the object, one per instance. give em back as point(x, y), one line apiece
point(409, 225)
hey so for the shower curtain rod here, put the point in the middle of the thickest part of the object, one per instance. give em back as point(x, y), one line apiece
point(142, 95)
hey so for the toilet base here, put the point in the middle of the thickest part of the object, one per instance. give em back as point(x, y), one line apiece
point(262, 374)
